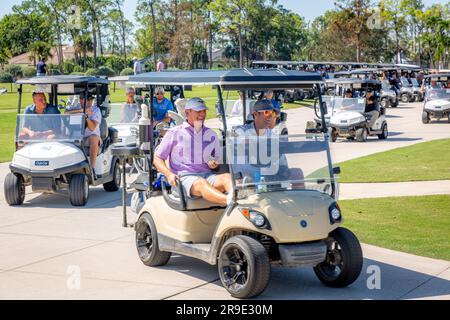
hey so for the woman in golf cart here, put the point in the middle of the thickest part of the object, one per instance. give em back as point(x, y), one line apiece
point(40, 127)
point(371, 108)
point(161, 106)
point(194, 169)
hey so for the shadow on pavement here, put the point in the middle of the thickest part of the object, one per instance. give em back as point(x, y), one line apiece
point(302, 283)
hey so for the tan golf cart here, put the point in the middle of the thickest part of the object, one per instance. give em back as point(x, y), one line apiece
point(283, 212)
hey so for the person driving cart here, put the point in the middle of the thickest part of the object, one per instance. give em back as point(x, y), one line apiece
point(371, 108)
point(348, 93)
point(192, 150)
point(40, 127)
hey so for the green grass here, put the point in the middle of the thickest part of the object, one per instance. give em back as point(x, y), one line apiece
point(416, 225)
point(421, 162)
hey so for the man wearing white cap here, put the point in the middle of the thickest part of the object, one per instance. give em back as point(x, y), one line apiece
point(192, 150)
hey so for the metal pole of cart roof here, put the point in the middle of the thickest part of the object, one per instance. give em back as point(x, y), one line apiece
point(20, 98)
point(150, 164)
point(244, 105)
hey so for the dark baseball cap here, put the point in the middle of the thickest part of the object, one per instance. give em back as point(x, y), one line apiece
point(262, 105)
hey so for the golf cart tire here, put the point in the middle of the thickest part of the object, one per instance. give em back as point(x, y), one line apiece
point(77, 190)
point(150, 256)
point(448, 118)
point(14, 189)
point(351, 255)
point(405, 98)
point(394, 104)
point(114, 184)
point(425, 117)
point(412, 99)
point(361, 135)
point(258, 266)
point(385, 133)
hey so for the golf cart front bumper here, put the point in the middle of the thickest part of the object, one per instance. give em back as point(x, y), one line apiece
point(303, 255)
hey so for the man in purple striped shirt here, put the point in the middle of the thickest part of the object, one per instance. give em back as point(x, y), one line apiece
point(193, 151)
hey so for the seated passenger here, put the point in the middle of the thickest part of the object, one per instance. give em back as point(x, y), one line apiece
point(371, 108)
point(238, 108)
point(40, 127)
point(348, 94)
point(130, 110)
point(192, 150)
point(161, 105)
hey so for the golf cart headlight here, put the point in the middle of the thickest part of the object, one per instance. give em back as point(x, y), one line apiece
point(257, 218)
point(335, 213)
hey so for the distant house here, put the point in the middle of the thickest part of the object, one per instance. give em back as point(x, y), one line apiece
point(24, 59)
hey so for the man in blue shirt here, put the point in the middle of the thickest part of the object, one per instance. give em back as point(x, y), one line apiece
point(41, 122)
point(41, 68)
point(161, 106)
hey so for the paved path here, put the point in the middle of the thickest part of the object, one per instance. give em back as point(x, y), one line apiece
point(45, 244)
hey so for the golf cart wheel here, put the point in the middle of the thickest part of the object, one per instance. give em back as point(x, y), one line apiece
point(14, 189)
point(114, 184)
point(405, 98)
point(344, 260)
point(425, 117)
point(394, 104)
point(384, 103)
point(147, 243)
point(448, 118)
point(412, 99)
point(244, 267)
point(361, 135)
point(79, 190)
point(385, 132)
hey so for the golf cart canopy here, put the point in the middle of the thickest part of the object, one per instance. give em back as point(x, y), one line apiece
point(438, 76)
point(344, 81)
point(232, 79)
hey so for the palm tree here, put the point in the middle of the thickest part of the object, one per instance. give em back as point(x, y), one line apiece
point(39, 49)
point(83, 44)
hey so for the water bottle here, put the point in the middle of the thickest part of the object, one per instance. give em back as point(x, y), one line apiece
point(262, 185)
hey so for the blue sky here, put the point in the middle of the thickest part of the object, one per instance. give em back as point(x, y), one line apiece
point(306, 8)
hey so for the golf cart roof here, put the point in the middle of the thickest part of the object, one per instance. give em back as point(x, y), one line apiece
point(232, 79)
point(438, 75)
point(355, 81)
point(69, 79)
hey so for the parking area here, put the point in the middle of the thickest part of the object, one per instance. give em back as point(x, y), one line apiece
point(50, 250)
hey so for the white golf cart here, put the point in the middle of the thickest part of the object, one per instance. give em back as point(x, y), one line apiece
point(346, 117)
point(50, 153)
point(437, 97)
point(287, 217)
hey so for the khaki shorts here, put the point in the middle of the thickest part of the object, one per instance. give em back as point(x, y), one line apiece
point(189, 179)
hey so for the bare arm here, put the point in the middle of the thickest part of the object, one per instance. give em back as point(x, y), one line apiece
point(161, 166)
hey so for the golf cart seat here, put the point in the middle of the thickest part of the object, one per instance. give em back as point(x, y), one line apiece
point(176, 199)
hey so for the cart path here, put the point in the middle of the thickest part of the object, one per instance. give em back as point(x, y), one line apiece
point(349, 191)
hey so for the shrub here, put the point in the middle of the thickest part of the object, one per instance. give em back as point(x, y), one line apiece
point(6, 77)
point(15, 70)
point(68, 67)
point(28, 72)
point(53, 72)
point(92, 72)
point(77, 73)
point(78, 69)
point(127, 72)
point(101, 71)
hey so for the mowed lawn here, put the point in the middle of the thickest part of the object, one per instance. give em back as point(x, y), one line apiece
point(421, 162)
point(9, 103)
point(416, 225)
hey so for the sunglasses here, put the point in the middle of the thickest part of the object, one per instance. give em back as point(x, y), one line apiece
point(159, 94)
point(268, 113)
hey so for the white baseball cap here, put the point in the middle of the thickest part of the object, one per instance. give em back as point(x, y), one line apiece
point(196, 104)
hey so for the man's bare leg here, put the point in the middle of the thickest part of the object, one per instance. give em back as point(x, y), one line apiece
point(223, 183)
point(201, 188)
point(94, 142)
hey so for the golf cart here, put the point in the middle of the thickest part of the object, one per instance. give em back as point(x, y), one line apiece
point(282, 217)
point(389, 97)
point(53, 156)
point(416, 90)
point(437, 97)
point(346, 117)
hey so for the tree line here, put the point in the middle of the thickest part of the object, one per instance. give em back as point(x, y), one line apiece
point(185, 33)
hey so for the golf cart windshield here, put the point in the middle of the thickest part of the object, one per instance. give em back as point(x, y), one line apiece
point(50, 127)
point(124, 113)
point(234, 111)
point(405, 82)
point(438, 94)
point(279, 163)
point(415, 83)
point(340, 104)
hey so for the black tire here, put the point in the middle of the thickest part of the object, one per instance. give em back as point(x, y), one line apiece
point(385, 132)
point(394, 104)
point(114, 184)
point(147, 243)
point(361, 135)
point(14, 189)
point(79, 190)
point(344, 260)
point(412, 99)
point(448, 118)
point(404, 97)
point(425, 117)
point(284, 132)
point(244, 267)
